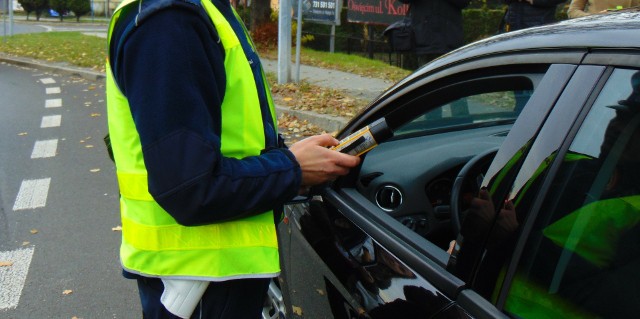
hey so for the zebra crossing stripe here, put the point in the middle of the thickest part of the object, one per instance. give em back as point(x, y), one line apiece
point(53, 90)
point(32, 194)
point(47, 81)
point(13, 276)
point(44, 149)
point(53, 103)
point(51, 121)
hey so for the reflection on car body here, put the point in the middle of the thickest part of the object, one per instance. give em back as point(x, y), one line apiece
point(538, 128)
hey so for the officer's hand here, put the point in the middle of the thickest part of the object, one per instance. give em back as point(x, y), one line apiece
point(318, 163)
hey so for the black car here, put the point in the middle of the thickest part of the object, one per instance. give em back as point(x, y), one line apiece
point(510, 188)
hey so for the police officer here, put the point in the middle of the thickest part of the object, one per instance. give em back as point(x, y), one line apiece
point(201, 169)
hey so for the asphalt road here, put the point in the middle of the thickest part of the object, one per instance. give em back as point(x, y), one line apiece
point(58, 201)
point(20, 25)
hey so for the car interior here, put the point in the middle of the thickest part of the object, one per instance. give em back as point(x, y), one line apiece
point(437, 131)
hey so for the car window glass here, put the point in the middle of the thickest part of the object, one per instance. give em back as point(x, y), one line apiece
point(494, 106)
point(582, 255)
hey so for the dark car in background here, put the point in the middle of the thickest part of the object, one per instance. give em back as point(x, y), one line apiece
point(511, 188)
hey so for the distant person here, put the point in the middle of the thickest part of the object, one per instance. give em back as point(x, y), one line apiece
point(523, 14)
point(437, 26)
point(583, 8)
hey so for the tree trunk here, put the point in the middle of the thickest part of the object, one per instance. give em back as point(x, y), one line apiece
point(259, 13)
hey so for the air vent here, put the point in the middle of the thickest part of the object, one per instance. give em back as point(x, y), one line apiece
point(367, 179)
point(389, 198)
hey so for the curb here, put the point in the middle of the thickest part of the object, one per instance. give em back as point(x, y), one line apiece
point(326, 122)
point(63, 68)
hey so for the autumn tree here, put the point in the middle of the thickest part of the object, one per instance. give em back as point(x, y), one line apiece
point(79, 8)
point(35, 6)
point(259, 14)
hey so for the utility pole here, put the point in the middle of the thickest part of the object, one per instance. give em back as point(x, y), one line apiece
point(284, 42)
point(10, 4)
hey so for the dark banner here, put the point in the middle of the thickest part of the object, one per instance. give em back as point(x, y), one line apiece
point(319, 11)
point(383, 12)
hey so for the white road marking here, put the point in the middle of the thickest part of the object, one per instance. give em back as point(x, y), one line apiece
point(47, 81)
point(51, 121)
point(53, 103)
point(13, 277)
point(43, 149)
point(53, 90)
point(32, 194)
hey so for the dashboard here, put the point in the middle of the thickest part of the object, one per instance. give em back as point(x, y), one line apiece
point(411, 178)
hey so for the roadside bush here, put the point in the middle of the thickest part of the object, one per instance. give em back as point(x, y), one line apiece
point(266, 35)
point(35, 6)
point(79, 8)
point(481, 23)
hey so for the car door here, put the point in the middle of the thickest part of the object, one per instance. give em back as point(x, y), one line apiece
point(519, 169)
point(347, 256)
point(575, 254)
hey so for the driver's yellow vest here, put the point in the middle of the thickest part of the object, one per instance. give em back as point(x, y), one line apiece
point(153, 243)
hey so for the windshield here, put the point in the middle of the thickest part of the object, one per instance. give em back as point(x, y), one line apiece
point(484, 109)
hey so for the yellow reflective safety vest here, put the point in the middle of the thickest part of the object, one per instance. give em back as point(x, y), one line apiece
point(153, 243)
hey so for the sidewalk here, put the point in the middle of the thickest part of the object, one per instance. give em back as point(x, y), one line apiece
point(354, 85)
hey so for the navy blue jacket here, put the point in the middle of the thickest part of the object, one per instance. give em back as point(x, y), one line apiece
point(437, 25)
point(521, 14)
point(170, 68)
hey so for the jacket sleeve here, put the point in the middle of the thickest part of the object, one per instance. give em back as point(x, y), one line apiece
point(460, 4)
point(577, 8)
point(173, 75)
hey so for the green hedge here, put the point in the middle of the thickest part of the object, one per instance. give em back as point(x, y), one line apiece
point(481, 23)
point(478, 24)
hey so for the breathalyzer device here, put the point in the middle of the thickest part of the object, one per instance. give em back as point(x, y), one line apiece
point(365, 139)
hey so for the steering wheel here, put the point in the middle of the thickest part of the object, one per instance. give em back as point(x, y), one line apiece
point(473, 166)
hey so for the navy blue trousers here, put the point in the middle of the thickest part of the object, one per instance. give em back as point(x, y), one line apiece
point(237, 299)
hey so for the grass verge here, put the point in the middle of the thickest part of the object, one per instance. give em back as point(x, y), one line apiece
point(71, 47)
point(90, 51)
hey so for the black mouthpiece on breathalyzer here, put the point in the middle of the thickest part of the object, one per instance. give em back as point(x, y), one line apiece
point(380, 130)
point(365, 139)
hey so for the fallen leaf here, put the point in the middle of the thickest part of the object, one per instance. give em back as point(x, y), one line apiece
point(297, 310)
point(24, 243)
point(320, 291)
point(34, 231)
point(6, 263)
point(287, 99)
point(94, 170)
point(67, 292)
point(117, 228)
point(22, 133)
point(88, 146)
point(95, 114)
